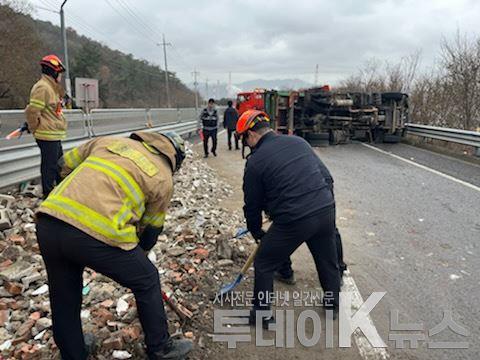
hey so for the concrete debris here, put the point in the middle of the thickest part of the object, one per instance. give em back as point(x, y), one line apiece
point(120, 354)
point(195, 255)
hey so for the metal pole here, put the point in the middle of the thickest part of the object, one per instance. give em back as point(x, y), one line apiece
point(166, 69)
point(195, 85)
point(68, 84)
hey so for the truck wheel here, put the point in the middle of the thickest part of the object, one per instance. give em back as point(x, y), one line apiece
point(318, 139)
point(378, 135)
point(391, 139)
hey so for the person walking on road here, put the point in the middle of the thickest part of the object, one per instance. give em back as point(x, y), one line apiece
point(230, 118)
point(209, 118)
point(46, 121)
point(284, 178)
point(106, 214)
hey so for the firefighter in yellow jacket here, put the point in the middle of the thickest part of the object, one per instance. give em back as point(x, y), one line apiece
point(45, 119)
point(105, 214)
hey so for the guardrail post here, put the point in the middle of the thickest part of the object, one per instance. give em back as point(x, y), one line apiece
point(179, 115)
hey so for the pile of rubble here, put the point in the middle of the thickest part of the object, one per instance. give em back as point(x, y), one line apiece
point(196, 253)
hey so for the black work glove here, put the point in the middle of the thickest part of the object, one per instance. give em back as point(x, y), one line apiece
point(258, 235)
point(148, 238)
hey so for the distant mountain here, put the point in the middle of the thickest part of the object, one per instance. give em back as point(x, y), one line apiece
point(221, 90)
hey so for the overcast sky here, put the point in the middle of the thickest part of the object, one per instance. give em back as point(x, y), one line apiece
point(269, 39)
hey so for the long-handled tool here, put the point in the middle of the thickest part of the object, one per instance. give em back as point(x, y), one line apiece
point(229, 287)
point(182, 312)
point(18, 132)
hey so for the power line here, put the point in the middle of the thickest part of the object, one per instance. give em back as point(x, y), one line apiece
point(133, 26)
point(134, 15)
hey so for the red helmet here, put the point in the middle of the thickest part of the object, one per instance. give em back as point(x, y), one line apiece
point(53, 62)
point(248, 120)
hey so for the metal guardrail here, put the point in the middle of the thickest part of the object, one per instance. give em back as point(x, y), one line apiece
point(20, 158)
point(464, 137)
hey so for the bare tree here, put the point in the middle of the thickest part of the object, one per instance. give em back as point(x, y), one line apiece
point(460, 59)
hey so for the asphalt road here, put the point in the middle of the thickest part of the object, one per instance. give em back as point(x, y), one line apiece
point(413, 234)
point(407, 231)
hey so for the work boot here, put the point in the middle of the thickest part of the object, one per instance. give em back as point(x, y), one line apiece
point(214, 153)
point(174, 349)
point(205, 156)
point(252, 320)
point(90, 343)
point(286, 280)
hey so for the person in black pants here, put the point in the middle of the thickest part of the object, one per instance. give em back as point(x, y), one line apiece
point(209, 118)
point(50, 153)
point(283, 178)
point(230, 118)
point(66, 251)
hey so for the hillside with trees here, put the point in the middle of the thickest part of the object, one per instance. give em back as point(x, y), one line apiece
point(124, 81)
point(446, 94)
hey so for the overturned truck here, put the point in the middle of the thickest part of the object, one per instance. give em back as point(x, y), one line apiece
point(326, 117)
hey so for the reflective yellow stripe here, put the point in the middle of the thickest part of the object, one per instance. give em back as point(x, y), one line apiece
point(72, 158)
point(156, 220)
point(124, 214)
point(137, 157)
point(52, 135)
point(123, 178)
point(58, 190)
point(37, 104)
point(91, 219)
point(151, 148)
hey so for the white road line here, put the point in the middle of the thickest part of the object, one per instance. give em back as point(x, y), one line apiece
point(436, 172)
point(366, 350)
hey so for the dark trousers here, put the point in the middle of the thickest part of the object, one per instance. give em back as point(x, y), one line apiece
point(285, 269)
point(209, 134)
point(50, 153)
point(280, 241)
point(231, 132)
point(66, 251)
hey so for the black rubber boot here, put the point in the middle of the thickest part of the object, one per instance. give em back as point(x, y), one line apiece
point(252, 321)
point(286, 280)
point(175, 349)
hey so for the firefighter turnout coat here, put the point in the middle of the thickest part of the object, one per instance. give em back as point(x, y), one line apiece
point(115, 187)
point(44, 112)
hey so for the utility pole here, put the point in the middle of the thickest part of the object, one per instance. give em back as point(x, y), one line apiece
point(68, 84)
point(195, 73)
point(316, 75)
point(216, 92)
point(167, 89)
point(206, 90)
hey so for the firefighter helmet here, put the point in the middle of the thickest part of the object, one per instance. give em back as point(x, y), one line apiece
point(53, 62)
point(179, 145)
point(249, 119)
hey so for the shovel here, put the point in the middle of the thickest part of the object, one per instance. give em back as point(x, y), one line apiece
point(229, 287)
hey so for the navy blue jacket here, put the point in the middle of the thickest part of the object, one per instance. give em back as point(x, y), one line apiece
point(286, 179)
point(230, 118)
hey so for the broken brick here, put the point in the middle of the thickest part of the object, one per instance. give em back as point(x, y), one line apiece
point(102, 315)
point(17, 239)
point(131, 332)
point(24, 332)
point(35, 315)
point(113, 343)
point(13, 287)
point(201, 253)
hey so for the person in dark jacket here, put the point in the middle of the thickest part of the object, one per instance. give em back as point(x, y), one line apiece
point(230, 118)
point(209, 118)
point(285, 179)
